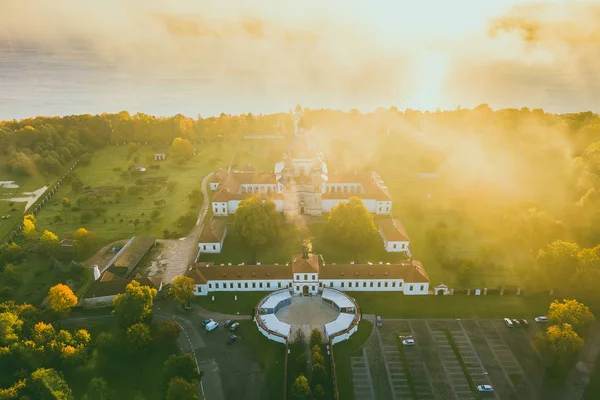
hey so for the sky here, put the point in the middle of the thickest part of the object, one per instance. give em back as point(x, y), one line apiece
point(266, 56)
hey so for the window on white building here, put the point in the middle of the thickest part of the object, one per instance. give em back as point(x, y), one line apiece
point(297, 288)
point(313, 277)
point(342, 284)
point(260, 285)
point(399, 284)
point(290, 285)
point(216, 285)
point(253, 285)
point(393, 284)
point(364, 284)
point(210, 285)
point(378, 284)
point(422, 287)
point(330, 284)
point(268, 284)
point(305, 277)
point(394, 245)
point(403, 245)
point(313, 288)
point(386, 284)
point(239, 285)
point(231, 286)
point(246, 285)
point(214, 246)
point(410, 288)
point(204, 247)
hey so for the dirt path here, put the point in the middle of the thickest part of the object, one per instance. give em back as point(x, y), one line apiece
point(178, 254)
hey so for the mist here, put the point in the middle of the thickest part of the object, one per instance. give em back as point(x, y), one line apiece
point(342, 56)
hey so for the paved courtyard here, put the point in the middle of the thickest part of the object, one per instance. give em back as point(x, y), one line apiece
point(431, 369)
point(306, 314)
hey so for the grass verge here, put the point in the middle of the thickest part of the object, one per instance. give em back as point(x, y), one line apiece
point(463, 366)
point(225, 302)
point(397, 305)
point(342, 353)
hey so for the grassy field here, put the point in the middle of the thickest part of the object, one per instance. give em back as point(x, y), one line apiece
point(397, 305)
point(16, 212)
point(342, 353)
point(270, 356)
point(235, 252)
point(225, 302)
point(119, 215)
point(261, 153)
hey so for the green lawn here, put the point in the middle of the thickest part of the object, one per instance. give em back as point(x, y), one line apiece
point(225, 302)
point(235, 252)
point(104, 175)
point(270, 356)
point(332, 253)
point(16, 212)
point(342, 353)
point(397, 305)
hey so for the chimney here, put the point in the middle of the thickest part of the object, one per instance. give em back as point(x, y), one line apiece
point(96, 273)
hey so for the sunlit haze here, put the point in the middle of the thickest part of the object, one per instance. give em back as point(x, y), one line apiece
point(210, 57)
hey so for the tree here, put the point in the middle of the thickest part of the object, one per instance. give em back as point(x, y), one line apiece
point(135, 305)
point(10, 327)
point(182, 289)
point(48, 384)
point(195, 197)
point(559, 344)
point(558, 262)
point(319, 374)
point(182, 366)
point(317, 358)
point(180, 389)
point(167, 331)
point(30, 217)
point(258, 223)
point(98, 390)
point(49, 242)
point(28, 229)
point(315, 338)
point(187, 220)
point(182, 149)
point(571, 312)
point(84, 238)
point(11, 253)
point(138, 338)
point(351, 226)
point(61, 299)
point(300, 388)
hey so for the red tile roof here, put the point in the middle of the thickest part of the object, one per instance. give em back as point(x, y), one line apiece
point(393, 230)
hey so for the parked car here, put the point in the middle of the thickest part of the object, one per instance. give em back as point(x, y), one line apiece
point(541, 319)
point(408, 342)
point(525, 323)
point(232, 338)
point(227, 323)
point(508, 322)
point(206, 322)
point(234, 326)
point(211, 326)
point(485, 388)
point(379, 321)
point(516, 323)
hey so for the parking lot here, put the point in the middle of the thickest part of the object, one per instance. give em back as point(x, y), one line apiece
point(433, 367)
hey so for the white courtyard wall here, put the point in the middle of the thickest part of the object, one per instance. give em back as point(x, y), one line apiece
point(270, 336)
point(345, 336)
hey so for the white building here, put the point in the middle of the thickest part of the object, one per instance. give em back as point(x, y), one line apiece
point(394, 236)
point(300, 184)
point(212, 236)
point(308, 273)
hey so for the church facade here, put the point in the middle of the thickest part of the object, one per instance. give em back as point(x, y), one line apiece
point(300, 184)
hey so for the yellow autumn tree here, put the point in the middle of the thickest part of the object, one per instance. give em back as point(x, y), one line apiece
point(61, 299)
point(28, 228)
point(182, 289)
point(49, 242)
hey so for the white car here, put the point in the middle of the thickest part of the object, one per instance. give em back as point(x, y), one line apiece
point(485, 388)
point(541, 319)
point(408, 342)
point(211, 326)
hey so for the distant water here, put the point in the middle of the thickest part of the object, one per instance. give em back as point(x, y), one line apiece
point(34, 82)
